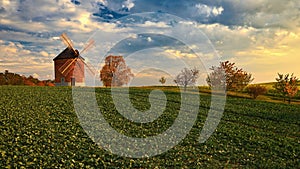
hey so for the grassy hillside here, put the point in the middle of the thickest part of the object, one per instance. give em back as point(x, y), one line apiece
point(270, 85)
point(39, 128)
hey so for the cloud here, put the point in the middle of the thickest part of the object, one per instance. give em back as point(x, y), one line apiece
point(44, 54)
point(260, 14)
point(2, 10)
point(180, 54)
point(153, 24)
point(35, 75)
point(209, 11)
point(149, 39)
point(262, 31)
point(104, 2)
point(128, 4)
point(151, 72)
point(46, 16)
point(15, 58)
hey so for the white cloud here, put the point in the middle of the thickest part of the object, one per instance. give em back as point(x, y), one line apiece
point(128, 4)
point(37, 26)
point(44, 54)
point(209, 11)
point(35, 75)
point(180, 54)
point(56, 38)
point(154, 24)
point(15, 58)
point(47, 16)
point(149, 39)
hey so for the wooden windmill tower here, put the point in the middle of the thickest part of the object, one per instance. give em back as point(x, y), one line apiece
point(64, 64)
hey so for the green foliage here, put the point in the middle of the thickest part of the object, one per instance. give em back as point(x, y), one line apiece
point(39, 129)
point(256, 90)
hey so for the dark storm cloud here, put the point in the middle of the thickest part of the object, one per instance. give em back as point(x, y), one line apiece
point(258, 14)
point(2, 10)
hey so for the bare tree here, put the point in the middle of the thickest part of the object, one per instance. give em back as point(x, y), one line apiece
point(187, 77)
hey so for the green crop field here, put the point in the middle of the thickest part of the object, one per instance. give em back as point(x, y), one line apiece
point(40, 129)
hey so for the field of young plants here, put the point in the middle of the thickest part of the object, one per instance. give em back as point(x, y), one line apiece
point(39, 129)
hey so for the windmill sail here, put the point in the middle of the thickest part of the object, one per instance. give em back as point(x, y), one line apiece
point(74, 60)
point(88, 46)
point(70, 66)
point(68, 42)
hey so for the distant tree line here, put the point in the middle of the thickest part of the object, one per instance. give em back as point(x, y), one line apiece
point(231, 78)
point(8, 78)
point(226, 76)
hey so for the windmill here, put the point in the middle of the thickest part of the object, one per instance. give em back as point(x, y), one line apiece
point(69, 65)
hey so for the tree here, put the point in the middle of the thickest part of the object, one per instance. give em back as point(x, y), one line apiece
point(9, 78)
point(256, 90)
point(282, 80)
point(162, 80)
point(187, 77)
point(227, 76)
point(286, 86)
point(291, 89)
point(115, 72)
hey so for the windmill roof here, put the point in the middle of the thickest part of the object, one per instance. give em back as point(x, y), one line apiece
point(67, 54)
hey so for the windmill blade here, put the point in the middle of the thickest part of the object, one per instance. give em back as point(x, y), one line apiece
point(64, 66)
point(91, 68)
point(90, 44)
point(67, 41)
point(80, 67)
point(63, 72)
point(67, 72)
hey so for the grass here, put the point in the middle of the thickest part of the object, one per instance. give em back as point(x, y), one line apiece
point(270, 85)
point(39, 129)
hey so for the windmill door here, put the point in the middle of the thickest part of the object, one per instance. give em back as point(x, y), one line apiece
point(72, 81)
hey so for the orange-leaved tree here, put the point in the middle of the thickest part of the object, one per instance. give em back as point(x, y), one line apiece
point(227, 76)
point(115, 72)
point(286, 85)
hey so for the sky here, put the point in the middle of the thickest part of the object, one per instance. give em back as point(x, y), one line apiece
point(262, 36)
